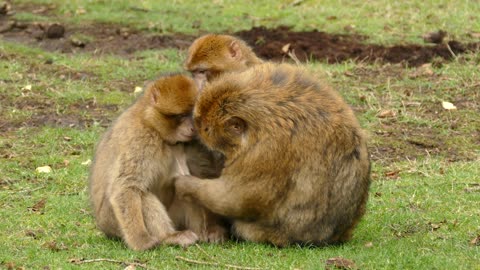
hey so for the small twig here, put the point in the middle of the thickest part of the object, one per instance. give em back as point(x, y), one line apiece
point(294, 57)
point(196, 262)
point(82, 261)
point(204, 252)
point(27, 190)
point(216, 264)
point(450, 50)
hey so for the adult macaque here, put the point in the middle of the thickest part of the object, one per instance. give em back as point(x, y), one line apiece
point(212, 55)
point(297, 168)
point(132, 177)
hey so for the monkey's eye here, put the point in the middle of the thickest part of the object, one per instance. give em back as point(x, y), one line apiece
point(236, 125)
point(177, 117)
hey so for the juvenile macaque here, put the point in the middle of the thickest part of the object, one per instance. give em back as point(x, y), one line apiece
point(132, 178)
point(297, 168)
point(211, 55)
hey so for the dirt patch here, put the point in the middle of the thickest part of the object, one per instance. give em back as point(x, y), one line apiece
point(267, 43)
point(334, 48)
point(45, 113)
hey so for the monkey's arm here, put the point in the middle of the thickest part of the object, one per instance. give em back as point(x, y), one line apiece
point(219, 196)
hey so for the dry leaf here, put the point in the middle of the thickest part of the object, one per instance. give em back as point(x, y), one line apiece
point(386, 114)
point(137, 90)
point(392, 174)
point(339, 263)
point(44, 169)
point(368, 245)
point(53, 246)
point(39, 205)
point(27, 87)
point(286, 48)
point(474, 34)
point(475, 241)
point(448, 106)
point(87, 162)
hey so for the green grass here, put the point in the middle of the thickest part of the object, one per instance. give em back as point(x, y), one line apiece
point(423, 209)
point(388, 21)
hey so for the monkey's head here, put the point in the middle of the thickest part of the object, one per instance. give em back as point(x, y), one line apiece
point(170, 104)
point(219, 121)
point(211, 55)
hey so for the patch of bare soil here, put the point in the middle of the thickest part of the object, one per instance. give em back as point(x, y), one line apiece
point(45, 113)
point(270, 44)
point(396, 141)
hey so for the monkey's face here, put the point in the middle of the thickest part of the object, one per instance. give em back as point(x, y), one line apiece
point(224, 134)
point(173, 99)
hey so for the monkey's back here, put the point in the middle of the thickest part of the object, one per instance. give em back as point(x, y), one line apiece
point(306, 147)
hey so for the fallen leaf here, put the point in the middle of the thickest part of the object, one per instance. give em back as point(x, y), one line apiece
point(448, 106)
point(27, 87)
point(44, 169)
point(67, 138)
point(339, 263)
point(472, 188)
point(66, 162)
point(392, 174)
point(386, 114)
point(137, 90)
point(474, 34)
point(87, 162)
point(424, 70)
point(475, 241)
point(286, 48)
point(368, 245)
point(9, 265)
point(38, 206)
point(53, 246)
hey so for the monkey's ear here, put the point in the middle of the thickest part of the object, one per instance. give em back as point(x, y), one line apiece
point(234, 49)
point(154, 94)
point(236, 125)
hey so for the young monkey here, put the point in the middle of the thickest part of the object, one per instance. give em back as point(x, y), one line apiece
point(297, 168)
point(212, 55)
point(131, 179)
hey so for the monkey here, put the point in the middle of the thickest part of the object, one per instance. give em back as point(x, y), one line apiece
point(212, 55)
point(297, 168)
point(131, 179)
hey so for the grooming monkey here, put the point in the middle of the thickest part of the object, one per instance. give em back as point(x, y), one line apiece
point(131, 180)
point(212, 55)
point(297, 168)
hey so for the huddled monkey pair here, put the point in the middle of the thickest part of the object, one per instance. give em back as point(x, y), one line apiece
point(286, 157)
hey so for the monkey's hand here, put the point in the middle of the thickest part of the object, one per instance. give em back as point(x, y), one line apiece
point(185, 186)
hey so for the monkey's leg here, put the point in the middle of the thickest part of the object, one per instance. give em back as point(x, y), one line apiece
point(255, 232)
point(160, 225)
point(206, 225)
point(127, 206)
point(105, 219)
point(219, 196)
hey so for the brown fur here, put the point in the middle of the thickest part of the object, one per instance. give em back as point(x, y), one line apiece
point(131, 180)
point(297, 168)
point(212, 55)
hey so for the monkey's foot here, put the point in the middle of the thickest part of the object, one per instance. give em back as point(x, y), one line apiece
point(142, 243)
point(216, 234)
point(181, 238)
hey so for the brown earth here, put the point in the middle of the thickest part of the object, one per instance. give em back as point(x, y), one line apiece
point(395, 140)
point(270, 44)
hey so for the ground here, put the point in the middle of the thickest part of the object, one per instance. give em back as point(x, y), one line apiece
point(63, 81)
